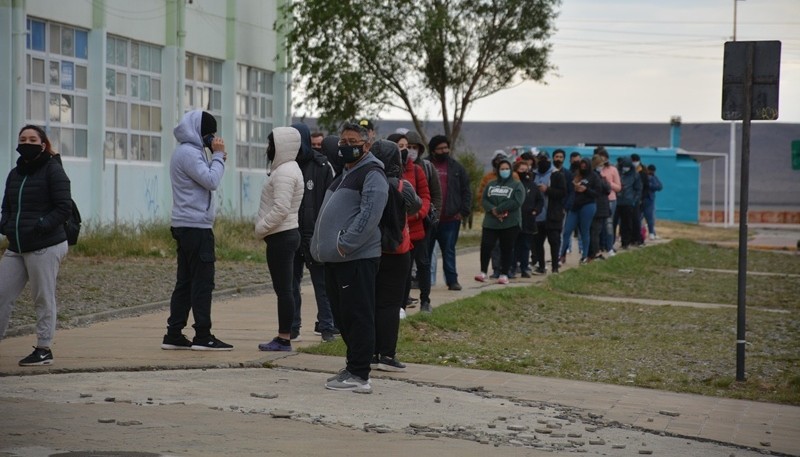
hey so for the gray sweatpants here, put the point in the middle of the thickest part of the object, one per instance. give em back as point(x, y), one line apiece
point(40, 268)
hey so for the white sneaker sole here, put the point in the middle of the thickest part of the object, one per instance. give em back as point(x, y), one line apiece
point(206, 348)
point(173, 347)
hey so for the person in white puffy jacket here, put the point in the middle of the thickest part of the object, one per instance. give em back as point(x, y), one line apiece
point(277, 226)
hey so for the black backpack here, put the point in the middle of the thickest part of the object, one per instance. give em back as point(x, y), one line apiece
point(73, 225)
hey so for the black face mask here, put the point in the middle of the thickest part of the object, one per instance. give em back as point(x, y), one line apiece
point(526, 176)
point(404, 155)
point(543, 166)
point(441, 157)
point(270, 148)
point(317, 149)
point(29, 152)
point(584, 171)
point(350, 154)
point(558, 163)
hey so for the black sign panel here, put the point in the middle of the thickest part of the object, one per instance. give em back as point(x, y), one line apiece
point(766, 65)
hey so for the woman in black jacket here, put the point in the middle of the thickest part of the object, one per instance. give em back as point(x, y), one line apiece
point(531, 208)
point(36, 203)
point(587, 185)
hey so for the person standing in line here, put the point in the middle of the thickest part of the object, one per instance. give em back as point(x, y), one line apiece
point(649, 204)
point(638, 235)
point(611, 175)
point(502, 200)
point(316, 140)
point(194, 179)
point(395, 264)
point(317, 175)
point(277, 226)
point(586, 184)
point(457, 203)
point(414, 175)
point(347, 239)
point(531, 208)
point(488, 177)
point(602, 212)
point(551, 183)
point(36, 203)
point(627, 199)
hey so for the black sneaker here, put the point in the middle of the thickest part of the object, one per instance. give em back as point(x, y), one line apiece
point(39, 356)
point(318, 331)
point(390, 364)
point(176, 342)
point(454, 286)
point(210, 343)
point(425, 307)
point(328, 336)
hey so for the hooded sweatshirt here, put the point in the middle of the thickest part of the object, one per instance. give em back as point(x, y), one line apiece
point(631, 184)
point(389, 154)
point(347, 226)
point(505, 196)
point(318, 174)
point(283, 191)
point(194, 178)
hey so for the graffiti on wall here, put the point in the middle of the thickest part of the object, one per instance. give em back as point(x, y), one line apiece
point(151, 198)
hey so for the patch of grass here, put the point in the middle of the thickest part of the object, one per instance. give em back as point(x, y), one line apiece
point(655, 273)
point(531, 330)
point(234, 241)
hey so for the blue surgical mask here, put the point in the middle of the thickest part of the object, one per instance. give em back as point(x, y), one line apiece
point(505, 174)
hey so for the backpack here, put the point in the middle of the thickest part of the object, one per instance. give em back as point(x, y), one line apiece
point(73, 225)
point(393, 219)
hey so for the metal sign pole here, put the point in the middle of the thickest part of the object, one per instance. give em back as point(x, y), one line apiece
point(743, 203)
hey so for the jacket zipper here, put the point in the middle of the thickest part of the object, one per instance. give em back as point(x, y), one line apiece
point(322, 211)
point(19, 211)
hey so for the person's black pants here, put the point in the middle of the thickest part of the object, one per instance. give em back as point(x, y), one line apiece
point(281, 248)
point(194, 281)
point(553, 238)
point(351, 291)
point(595, 232)
point(317, 273)
point(420, 255)
point(389, 294)
point(627, 214)
point(506, 237)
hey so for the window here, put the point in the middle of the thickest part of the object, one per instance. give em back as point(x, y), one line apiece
point(56, 95)
point(203, 88)
point(133, 100)
point(254, 116)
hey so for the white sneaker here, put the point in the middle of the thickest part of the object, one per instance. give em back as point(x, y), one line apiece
point(480, 277)
point(611, 253)
point(503, 279)
point(653, 236)
point(402, 313)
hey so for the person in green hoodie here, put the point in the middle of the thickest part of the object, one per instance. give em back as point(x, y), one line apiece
point(502, 200)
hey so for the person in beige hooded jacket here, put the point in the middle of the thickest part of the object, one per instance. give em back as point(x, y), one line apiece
point(277, 225)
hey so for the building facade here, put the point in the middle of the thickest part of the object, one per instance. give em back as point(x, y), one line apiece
point(110, 79)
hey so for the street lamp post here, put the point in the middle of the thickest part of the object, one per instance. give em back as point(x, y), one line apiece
point(730, 220)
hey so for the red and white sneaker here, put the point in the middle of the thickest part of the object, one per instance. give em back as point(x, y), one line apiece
point(503, 279)
point(480, 277)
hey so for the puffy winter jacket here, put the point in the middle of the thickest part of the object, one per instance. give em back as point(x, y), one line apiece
point(36, 203)
point(318, 174)
point(283, 191)
point(415, 175)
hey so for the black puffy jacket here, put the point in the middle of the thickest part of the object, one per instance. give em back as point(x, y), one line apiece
point(36, 203)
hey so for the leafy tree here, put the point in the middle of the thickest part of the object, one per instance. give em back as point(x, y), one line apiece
point(359, 57)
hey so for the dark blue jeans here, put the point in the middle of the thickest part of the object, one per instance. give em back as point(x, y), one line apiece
point(317, 272)
point(582, 218)
point(281, 248)
point(194, 281)
point(447, 236)
point(351, 290)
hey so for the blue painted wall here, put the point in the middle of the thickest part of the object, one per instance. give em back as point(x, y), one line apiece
point(680, 175)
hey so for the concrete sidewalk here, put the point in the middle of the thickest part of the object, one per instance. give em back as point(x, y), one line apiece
point(133, 344)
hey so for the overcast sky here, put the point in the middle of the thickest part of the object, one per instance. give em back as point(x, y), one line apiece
point(645, 61)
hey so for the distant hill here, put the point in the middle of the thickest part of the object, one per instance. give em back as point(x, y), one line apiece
point(773, 183)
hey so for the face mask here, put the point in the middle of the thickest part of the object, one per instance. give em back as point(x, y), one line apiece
point(413, 154)
point(270, 148)
point(524, 176)
point(349, 154)
point(626, 169)
point(584, 171)
point(404, 155)
point(207, 140)
point(317, 149)
point(543, 166)
point(636, 164)
point(29, 151)
point(440, 157)
point(558, 163)
point(505, 174)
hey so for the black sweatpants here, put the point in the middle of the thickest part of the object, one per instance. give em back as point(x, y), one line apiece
point(420, 255)
point(351, 291)
point(390, 285)
point(627, 227)
point(281, 248)
point(194, 281)
point(553, 238)
point(506, 237)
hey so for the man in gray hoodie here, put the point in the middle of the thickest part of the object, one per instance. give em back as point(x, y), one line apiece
point(194, 179)
point(347, 239)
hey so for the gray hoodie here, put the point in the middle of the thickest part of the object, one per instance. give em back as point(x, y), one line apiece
point(194, 178)
point(347, 225)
